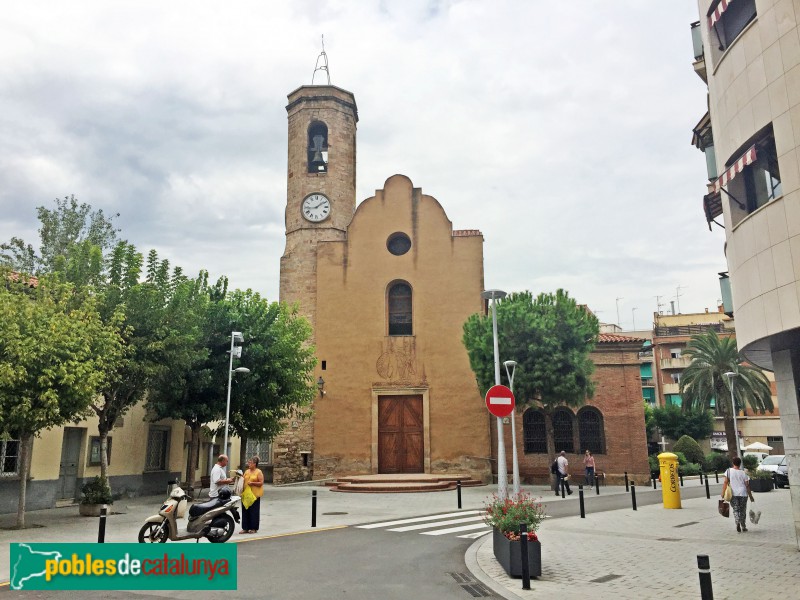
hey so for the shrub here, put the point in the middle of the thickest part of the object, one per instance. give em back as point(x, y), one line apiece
point(654, 465)
point(756, 474)
point(506, 515)
point(681, 458)
point(716, 462)
point(750, 462)
point(690, 448)
point(96, 491)
point(689, 469)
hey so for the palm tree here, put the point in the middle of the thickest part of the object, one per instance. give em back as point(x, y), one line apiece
point(704, 385)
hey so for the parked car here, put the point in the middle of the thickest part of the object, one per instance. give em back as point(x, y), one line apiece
point(771, 464)
point(759, 455)
point(781, 475)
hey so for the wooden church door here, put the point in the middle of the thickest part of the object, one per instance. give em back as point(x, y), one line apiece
point(400, 434)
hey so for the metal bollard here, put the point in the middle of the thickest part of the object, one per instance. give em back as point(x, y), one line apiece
point(680, 476)
point(580, 498)
point(701, 477)
point(704, 571)
point(101, 534)
point(523, 551)
point(458, 492)
point(716, 476)
point(655, 482)
point(708, 492)
point(633, 495)
point(597, 485)
point(627, 487)
point(313, 508)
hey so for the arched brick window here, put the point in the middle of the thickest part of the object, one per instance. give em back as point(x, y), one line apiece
point(399, 309)
point(534, 432)
point(562, 430)
point(590, 430)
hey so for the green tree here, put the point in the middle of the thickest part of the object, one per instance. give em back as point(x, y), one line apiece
point(63, 227)
point(690, 448)
point(675, 423)
point(649, 421)
point(704, 384)
point(550, 337)
point(53, 358)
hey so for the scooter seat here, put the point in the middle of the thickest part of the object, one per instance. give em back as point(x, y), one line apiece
point(195, 510)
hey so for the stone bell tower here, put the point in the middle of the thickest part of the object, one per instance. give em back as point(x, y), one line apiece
point(320, 202)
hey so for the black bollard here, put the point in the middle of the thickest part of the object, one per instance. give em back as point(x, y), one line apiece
point(633, 495)
point(681, 478)
point(523, 552)
point(704, 570)
point(313, 508)
point(597, 484)
point(458, 492)
point(627, 487)
point(716, 476)
point(101, 534)
point(701, 478)
point(655, 480)
point(708, 493)
point(580, 498)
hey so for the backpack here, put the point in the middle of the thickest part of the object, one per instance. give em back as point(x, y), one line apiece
point(554, 467)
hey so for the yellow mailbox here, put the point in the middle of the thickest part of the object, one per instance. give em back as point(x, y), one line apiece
point(670, 483)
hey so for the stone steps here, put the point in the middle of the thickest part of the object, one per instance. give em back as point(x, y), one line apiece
point(400, 483)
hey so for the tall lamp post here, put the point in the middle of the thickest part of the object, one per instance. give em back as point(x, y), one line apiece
point(236, 336)
point(512, 364)
point(730, 375)
point(502, 469)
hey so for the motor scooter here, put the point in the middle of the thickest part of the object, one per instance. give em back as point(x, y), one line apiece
point(209, 519)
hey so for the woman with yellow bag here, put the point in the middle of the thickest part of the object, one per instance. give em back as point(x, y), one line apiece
point(251, 496)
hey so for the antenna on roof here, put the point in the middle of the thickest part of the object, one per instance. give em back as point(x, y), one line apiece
point(322, 67)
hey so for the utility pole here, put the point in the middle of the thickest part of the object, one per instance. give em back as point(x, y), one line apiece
point(659, 304)
point(618, 321)
point(678, 295)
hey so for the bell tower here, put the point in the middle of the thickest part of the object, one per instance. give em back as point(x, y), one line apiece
point(320, 202)
point(321, 184)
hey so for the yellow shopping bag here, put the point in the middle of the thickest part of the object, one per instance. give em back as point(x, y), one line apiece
point(248, 497)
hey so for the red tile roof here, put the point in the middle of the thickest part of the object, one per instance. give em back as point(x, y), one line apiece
point(613, 338)
point(30, 280)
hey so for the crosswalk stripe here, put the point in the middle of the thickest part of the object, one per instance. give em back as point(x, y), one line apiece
point(477, 534)
point(438, 524)
point(419, 519)
point(455, 529)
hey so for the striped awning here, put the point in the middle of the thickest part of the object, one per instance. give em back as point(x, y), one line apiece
point(748, 158)
point(721, 8)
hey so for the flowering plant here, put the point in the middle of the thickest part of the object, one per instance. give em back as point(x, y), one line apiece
point(506, 515)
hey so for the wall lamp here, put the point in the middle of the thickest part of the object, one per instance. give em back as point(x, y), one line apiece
point(321, 386)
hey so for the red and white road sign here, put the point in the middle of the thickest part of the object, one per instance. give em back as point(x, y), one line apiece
point(500, 401)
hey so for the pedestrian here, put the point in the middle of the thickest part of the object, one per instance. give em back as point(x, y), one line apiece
point(739, 483)
point(218, 477)
point(254, 481)
point(562, 473)
point(588, 462)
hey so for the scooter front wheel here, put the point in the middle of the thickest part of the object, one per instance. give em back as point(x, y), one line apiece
point(154, 533)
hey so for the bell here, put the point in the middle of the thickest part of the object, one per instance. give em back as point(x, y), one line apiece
point(317, 159)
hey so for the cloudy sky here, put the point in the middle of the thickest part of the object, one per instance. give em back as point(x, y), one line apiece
point(561, 130)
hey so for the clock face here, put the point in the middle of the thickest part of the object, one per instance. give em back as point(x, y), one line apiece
point(316, 208)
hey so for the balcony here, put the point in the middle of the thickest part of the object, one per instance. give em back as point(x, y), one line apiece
point(699, 63)
point(647, 382)
point(671, 388)
point(676, 363)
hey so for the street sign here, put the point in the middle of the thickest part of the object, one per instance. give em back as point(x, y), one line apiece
point(500, 401)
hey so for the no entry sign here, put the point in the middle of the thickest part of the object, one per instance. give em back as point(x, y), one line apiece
point(500, 401)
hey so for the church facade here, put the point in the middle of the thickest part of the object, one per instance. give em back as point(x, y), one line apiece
point(387, 288)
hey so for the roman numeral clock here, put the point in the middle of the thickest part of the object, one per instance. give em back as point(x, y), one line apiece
point(316, 207)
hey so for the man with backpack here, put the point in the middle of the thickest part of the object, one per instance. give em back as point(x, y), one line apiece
point(560, 468)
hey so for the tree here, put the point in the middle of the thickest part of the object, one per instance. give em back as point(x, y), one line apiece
point(550, 337)
point(675, 423)
point(690, 448)
point(53, 358)
point(704, 384)
point(63, 227)
point(649, 421)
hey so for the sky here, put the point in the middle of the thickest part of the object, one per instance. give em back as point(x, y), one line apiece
point(560, 130)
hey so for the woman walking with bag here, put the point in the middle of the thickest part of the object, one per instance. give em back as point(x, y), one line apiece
point(739, 484)
point(251, 496)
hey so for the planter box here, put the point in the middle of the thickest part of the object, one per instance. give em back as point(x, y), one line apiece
point(761, 485)
point(91, 510)
point(507, 554)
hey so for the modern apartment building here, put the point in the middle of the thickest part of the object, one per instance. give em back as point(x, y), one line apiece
point(748, 52)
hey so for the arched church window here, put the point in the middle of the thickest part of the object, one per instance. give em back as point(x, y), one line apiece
point(534, 432)
point(590, 430)
point(317, 147)
point(399, 308)
point(562, 430)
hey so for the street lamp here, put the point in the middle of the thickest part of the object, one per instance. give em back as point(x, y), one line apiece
point(236, 336)
point(730, 375)
point(502, 469)
point(512, 364)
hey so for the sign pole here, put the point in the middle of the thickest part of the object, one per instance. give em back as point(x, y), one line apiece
point(502, 469)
